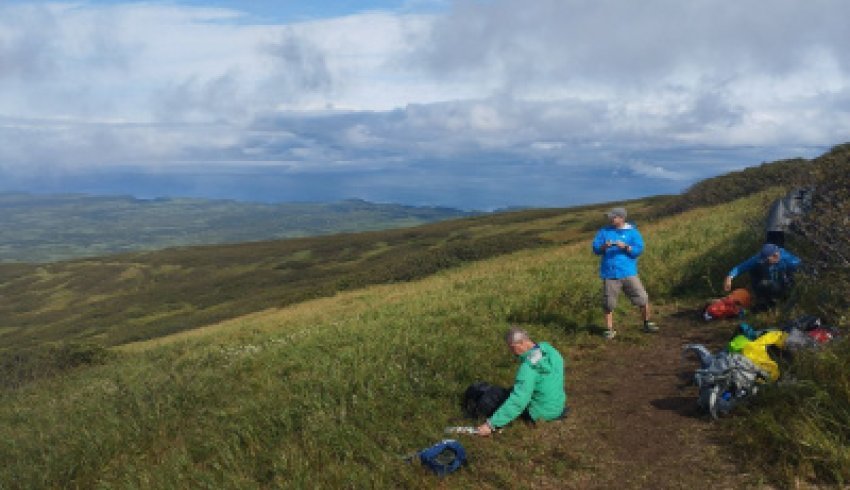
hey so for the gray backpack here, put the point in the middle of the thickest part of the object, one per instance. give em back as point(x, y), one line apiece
point(724, 379)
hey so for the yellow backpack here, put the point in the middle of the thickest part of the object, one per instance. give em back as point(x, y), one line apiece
point(756, 350)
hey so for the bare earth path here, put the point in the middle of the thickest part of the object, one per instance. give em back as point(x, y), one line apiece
point(634, 420)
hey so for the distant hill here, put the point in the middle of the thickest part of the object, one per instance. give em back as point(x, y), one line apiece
point(784, 174)
point(35, 228)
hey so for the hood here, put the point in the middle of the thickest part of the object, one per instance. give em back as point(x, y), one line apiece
point(539, 357)
point(628, 226)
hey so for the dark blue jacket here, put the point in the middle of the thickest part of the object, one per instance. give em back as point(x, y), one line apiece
point(788, 263)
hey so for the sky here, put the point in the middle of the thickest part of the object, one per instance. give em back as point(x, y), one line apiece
point(473, 104)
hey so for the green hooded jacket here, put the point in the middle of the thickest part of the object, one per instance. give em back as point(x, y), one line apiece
point(539, 387)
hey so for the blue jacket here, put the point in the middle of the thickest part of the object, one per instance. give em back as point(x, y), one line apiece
point(617, 263)
point(788, 263)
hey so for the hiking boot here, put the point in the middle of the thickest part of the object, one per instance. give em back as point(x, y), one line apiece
point(650, 327)
point(610, 334)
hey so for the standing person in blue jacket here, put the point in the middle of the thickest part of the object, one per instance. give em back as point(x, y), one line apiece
point(620, 244)
point(771, 274)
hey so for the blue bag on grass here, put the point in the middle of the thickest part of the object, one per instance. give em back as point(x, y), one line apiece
point(444, 457)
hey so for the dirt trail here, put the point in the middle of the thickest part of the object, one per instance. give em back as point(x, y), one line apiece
point(634, 420)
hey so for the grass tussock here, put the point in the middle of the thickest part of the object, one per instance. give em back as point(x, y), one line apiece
point(799, 430)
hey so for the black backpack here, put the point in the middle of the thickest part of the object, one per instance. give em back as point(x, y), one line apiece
point(483, 399)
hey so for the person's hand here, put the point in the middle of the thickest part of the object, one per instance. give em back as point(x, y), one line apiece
point(484, 430)
point(621, 244)
point(727, 284)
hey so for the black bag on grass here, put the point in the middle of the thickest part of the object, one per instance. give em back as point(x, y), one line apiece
point(483, 399)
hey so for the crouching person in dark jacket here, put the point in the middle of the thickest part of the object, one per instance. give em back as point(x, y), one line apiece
point(538, 391)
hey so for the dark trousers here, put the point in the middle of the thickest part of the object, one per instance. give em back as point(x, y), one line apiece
point(527, 416)
point(768, 286)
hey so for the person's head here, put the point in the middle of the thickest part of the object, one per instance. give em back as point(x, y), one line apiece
point(617, 216)
point(518, 340)
point(770, 253)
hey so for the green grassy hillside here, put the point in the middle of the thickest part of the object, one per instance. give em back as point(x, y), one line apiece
point(121, 298)
point(46, 228)
point(329, 393)
point(257, 389)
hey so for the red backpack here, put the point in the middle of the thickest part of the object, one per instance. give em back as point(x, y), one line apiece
point(729, 306)
point(820, 335)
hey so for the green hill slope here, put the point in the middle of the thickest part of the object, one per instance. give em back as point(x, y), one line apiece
point(121, 298)
point(328, 393)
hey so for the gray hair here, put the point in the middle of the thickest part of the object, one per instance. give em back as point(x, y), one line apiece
point(515, 335)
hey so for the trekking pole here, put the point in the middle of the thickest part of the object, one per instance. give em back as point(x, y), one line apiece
point(469, 430)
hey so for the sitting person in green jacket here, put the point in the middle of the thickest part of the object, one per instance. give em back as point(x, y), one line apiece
point(538, 391)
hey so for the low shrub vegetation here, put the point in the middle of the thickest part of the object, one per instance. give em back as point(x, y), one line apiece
point(18, 367)
point(734, 185)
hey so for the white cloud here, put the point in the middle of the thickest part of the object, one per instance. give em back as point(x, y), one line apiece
point(569, 83)
point(656, 171)
point(653, 62)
